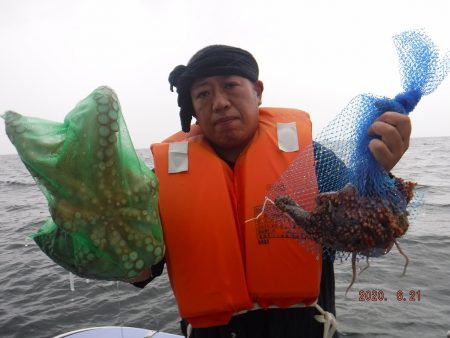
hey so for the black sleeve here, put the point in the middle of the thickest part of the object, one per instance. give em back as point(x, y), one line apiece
point(156, 270)
point(331, 172)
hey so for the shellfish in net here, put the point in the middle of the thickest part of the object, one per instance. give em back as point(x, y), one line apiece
point(345, 221)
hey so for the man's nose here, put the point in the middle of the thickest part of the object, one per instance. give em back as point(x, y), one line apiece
point(220, 101)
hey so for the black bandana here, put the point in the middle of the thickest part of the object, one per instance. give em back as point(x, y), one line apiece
point(210, 61)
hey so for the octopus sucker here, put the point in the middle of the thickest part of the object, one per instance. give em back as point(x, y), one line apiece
point(113, 115)
point(102, 100)
point(347, 222)
point(114, 126)
point(102, 119)
point(103, 108)
point(112, 138)
point(103, 131)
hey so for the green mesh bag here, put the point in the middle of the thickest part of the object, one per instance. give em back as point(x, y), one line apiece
point(102, 198)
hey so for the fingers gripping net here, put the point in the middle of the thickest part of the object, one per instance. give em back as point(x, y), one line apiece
point(361, 208)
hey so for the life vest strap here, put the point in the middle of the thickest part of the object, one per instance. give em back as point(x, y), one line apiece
point(328, 319)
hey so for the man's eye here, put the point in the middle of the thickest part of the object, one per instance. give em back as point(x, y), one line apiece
point(230, 85)
point(202, 94)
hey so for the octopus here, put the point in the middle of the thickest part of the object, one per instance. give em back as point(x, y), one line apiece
point(345, 221)
point(102, 198)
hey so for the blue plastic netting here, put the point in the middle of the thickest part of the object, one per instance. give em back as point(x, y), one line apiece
point(343, 159)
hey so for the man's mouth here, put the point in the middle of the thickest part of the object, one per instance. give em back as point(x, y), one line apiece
point(225, 120)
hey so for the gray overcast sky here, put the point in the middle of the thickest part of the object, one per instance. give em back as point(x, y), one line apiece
point(313, 55)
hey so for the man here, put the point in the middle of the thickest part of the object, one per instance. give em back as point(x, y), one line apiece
point(229, 277)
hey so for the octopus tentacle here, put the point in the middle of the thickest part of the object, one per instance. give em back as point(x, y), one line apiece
point(404, 255)
point(366, 267)
point(353, 273)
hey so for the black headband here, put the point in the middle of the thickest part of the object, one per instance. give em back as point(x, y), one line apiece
point(210, 61)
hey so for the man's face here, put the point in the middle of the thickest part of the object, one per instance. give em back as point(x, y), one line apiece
point(226, 109)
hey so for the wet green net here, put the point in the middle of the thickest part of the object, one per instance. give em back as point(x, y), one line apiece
point(102, 198)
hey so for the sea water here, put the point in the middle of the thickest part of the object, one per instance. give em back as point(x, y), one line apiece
point(36, 300)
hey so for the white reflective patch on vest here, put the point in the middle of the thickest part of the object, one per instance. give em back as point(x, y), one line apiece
point(178, 157)
point(287, 137)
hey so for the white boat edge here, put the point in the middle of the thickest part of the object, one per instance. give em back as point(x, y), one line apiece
point(147, 333)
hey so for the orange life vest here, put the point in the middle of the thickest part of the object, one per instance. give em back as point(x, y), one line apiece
point(218, 263)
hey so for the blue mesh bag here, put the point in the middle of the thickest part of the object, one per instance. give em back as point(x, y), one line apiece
point(362, 208)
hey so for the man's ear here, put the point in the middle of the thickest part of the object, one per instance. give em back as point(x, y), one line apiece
point(259, 88)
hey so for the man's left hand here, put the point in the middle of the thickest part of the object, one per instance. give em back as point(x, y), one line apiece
point(394, 131)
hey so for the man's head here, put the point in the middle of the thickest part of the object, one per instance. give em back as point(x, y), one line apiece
point(220, 87)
